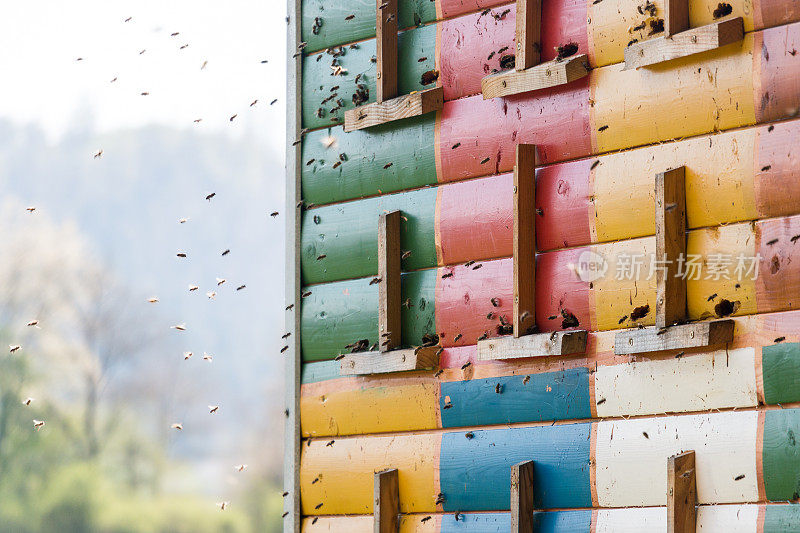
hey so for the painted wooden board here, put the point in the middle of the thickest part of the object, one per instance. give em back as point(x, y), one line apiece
point(731, 177)
point(719, 90)
point(464, 303)
point(733, 518)
point(754, 369)
point(743, 456)
point(603, 28)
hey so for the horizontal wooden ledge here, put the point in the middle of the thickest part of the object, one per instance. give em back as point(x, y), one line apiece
point(685, 43)
point(406, 106)
point(541, 76)
point(536, 345)
point(402, 360)
point(695, 335)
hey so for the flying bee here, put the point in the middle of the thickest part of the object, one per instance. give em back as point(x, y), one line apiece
point(203, 66)
point(284, 348)
point(233, 117)
point(181, 254)
point(220, 281)
point(498, 388)
point(305, 294)
point(98, 154)
point(447, 275)
point(13, 348)
point(375, 280)
point(330, 443)
point(174, 34)
point(193, 288)
point(457, 337)
point(226, 252)
point(254, 102)
point(273, 214)
point(183, 220)
point(145, 93)
point(27, 401)
point(198, 120)
point(495, 302)
point(241, 287)
point(208, 357)
point(213, 409)
point(143, 51)
point(187, 355)
point(184, 46)
point(525, 380)
point(406, 254)
point(179, 327)
point(35, 323)
point(38, 424)
point(211, 295)
point(223, 505)
point(241, 468)
point(177, 426)
point(466, 365)
point(210, 196)
point(30, 209)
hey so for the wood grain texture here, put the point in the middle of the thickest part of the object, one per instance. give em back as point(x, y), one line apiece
point(524, 192)
point(528, 34)
point(400, 360)
point(678, 337)
point(522, 497)
point(676, 17)
point(670, 246)
point(685, 43)
point(406, 106)
point(386, 510)
point(385, 51)
point(555, 344)
point(541, 76)
point(681, 493)
point(389, 289)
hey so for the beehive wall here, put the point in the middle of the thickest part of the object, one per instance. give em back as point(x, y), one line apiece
point(599, 426)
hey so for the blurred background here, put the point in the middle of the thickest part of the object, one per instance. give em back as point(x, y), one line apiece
point(117, 120)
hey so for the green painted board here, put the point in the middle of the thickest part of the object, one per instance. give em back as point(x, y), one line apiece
point(318, 78)
point(347, 236)
point(781, 366)
point(334, 28)
point(781, 454)
point(340, 313)
point(406, 160)
point(781, 519)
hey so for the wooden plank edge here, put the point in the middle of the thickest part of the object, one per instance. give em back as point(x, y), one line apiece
point(293, 286)
point(681, 493)
point(522, 497)
point(406, 106)
point(386, 510)
point(689, 42)
point(544, 75)
point(694, 335)
point(557, 343)
point(403, 360)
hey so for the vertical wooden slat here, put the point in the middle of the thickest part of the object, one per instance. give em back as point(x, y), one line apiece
point(670, 245)
point(529, 20)
point(676, 17)
point(522, 497)
point(524, 239)
point(386, 35)
point(387, 501)
point(389, 312)
point(681, 494)
point(292, 435)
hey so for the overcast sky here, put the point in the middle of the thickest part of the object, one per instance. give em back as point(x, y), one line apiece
point(43, 82)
